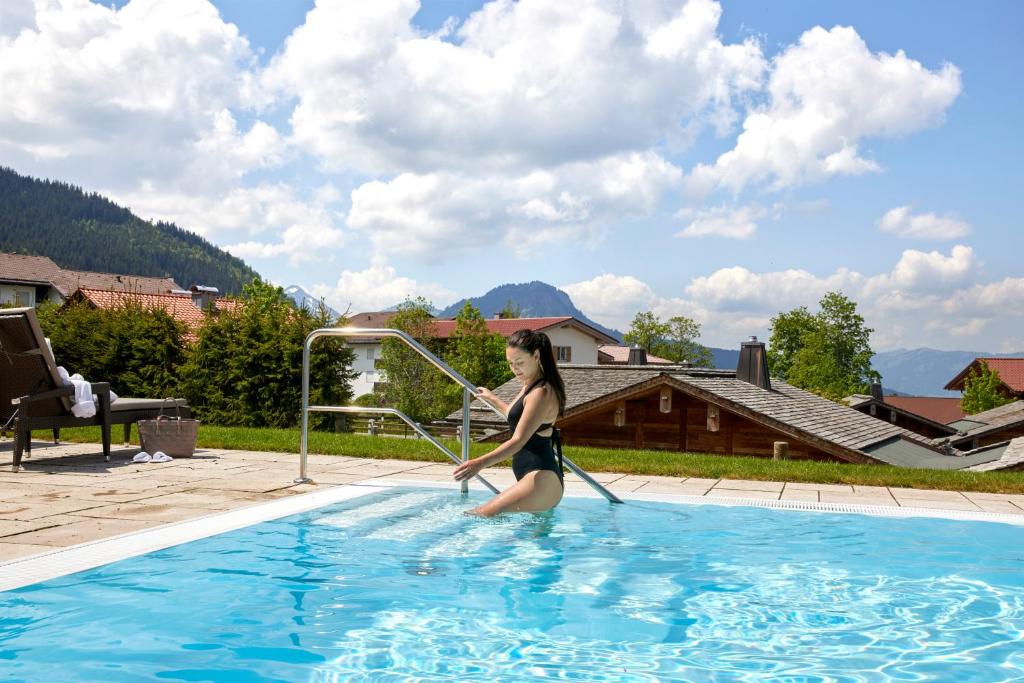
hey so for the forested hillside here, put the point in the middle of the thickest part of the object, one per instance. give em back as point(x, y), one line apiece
point(81, 231)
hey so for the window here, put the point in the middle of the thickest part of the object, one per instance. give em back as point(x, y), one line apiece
point(23, 298)
point(563, 354)
point(371, 353)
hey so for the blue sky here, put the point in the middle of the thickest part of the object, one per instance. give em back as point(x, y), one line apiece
point(720, 161)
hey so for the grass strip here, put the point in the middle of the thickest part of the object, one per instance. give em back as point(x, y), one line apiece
point(639, 462)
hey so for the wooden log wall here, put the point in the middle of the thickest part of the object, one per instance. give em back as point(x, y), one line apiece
point(682, 429)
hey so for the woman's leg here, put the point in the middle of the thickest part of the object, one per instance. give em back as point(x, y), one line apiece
point(537, 491)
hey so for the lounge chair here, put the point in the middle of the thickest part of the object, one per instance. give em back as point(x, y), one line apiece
point(32, 395)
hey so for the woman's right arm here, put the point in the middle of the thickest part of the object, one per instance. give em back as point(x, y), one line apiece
point(487, 396)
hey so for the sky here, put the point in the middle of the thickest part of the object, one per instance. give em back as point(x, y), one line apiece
point(724, 161)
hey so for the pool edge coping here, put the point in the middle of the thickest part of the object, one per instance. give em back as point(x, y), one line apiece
point(32, 569)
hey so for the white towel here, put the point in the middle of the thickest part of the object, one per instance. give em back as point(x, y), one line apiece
point(84, 402)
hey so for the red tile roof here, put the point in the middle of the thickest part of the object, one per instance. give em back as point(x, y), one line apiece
point(503, 326)
point(178, 306)
point(506, 327)
point(620, 354)
point(941, 410)
point(1011, 373)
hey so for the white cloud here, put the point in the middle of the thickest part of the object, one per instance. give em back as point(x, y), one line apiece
point(524, 85)
point(118, 95)
point(919, 275)
point(828, 93)
point(378, 287)
point(903, 223)
point(1002, 298)
point(739, 289)
point(737, 222)
point(612, 298)
point(925, 299)
point(435, 215)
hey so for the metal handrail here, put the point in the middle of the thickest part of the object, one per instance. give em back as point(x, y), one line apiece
point(469, 390)
point(407, 420)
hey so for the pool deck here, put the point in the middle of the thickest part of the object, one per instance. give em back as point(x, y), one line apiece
point(67, 494)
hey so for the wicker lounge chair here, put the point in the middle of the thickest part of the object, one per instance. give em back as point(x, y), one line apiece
point(32, 395)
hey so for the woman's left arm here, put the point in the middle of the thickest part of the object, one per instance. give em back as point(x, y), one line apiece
point(532, 419)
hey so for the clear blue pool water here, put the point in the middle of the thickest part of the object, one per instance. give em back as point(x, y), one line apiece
point(401, 586)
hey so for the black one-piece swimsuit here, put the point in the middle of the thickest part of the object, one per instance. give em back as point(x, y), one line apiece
point(539, 452)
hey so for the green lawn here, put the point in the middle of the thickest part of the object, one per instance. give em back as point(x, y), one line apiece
point(665, 463)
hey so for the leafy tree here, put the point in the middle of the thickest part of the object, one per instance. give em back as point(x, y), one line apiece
point(982, 390)
point(674, 339)
point(681, 343)
point(246, 366)
point(475, 352)
point(827, 353)
point(787, 338)
point(510, 310)
point(646, 331)
point(412, 384)
point(138, 350)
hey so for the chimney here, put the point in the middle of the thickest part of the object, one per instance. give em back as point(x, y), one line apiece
point(753, 364)
point(204, 297)
point(637, 356)
point(876, 390)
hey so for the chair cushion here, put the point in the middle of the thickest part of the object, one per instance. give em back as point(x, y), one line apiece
point(126, 404)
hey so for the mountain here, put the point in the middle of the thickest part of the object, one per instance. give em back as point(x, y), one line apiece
point(534, 300)
point(85, 231)
point(304, 299)
point(923, 372)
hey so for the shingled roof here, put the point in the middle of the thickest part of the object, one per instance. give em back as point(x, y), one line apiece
point(1011, 457)
point(40, 270)
point(989, 421)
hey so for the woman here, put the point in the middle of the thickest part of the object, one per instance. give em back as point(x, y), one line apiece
point(531, 416)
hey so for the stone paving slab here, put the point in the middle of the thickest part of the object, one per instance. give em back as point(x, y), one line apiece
point(744, 485)
point(69, 494)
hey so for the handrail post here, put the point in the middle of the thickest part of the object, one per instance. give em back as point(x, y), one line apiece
point(304, 438)
point(465, 435)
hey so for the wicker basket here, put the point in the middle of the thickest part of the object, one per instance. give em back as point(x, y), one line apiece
point(175, 436)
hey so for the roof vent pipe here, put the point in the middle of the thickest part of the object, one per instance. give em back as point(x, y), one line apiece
point(753, 364)
point(637, 356)
point(876, 390)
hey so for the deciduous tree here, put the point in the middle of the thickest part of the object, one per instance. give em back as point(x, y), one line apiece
point(828, 353)
point(981, 390)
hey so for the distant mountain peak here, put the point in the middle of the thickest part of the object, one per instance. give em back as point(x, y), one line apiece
point(534, 299)
point(304, 299)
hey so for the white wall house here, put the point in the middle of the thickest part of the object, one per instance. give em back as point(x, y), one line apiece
point(573, 341)
point(365, 364)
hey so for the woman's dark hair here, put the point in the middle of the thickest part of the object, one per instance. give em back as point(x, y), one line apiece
point(529, 341)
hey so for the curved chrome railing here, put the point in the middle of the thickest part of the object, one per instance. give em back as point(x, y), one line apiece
point(468, 393)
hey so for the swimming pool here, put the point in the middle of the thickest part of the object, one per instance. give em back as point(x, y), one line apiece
point(399, 585)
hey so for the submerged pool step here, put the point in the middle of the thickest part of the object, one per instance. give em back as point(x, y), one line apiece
point(376, 512)
point(424, 523)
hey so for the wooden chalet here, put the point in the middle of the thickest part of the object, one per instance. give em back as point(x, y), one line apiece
point(725, 412)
